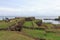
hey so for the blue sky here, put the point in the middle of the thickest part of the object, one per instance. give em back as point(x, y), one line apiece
point(29, 7)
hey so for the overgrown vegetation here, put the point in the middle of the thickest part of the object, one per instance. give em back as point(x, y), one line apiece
point(34, 33)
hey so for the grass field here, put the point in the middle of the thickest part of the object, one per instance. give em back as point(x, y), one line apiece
point(10, 35)
point(34, 33)
point(53, 36)
point(41, 34)
point(28, 24)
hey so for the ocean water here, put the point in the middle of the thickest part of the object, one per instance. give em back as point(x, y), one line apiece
point(3, 17)
point(49, 21)
point(48, 17)
point(37, 17)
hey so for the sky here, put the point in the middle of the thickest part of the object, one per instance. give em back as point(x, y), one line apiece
point(29, 7)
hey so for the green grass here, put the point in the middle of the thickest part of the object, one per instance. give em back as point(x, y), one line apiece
point(34, 33)
point(10, 35)
point(28, 24)
point(35, 25)
point(48, 25)
point(53, 36)
point(40, 34)
point(4, 24)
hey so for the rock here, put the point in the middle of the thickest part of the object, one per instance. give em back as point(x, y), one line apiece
point(16, 27)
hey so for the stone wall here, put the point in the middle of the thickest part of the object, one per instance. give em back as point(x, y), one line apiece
point(29, 18)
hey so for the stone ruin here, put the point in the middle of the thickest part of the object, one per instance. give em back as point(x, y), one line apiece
point(39, 23)
point(16, 27)
point(29, 18)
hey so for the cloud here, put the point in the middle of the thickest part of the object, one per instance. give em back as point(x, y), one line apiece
point(9, 9)
point(38, 7)
point(31, 4)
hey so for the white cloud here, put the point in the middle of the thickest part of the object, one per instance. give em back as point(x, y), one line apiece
point(8, 9)
point(35, 6)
